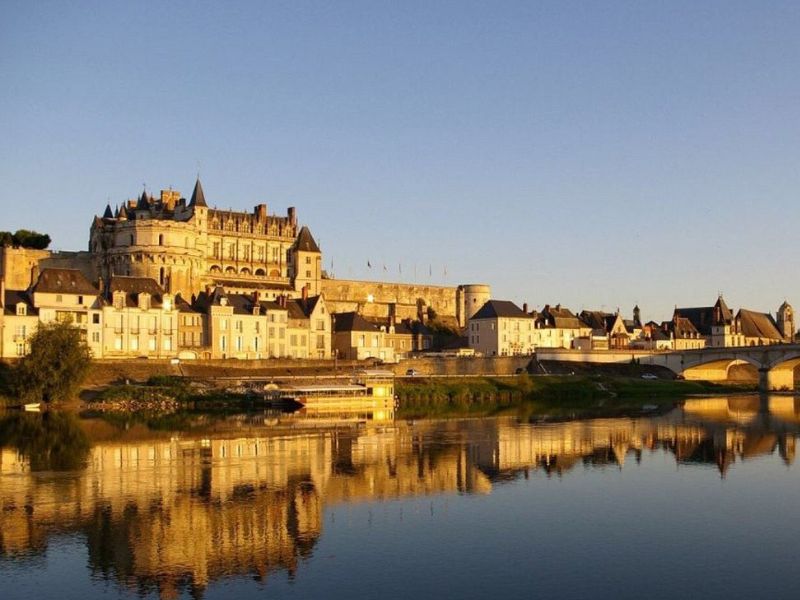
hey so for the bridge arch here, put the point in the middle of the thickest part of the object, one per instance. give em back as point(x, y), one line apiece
point(717, 368)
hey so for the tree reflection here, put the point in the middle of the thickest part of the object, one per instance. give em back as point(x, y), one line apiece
point(51, 441)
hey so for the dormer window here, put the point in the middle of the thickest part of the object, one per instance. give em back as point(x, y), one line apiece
point(22, 310)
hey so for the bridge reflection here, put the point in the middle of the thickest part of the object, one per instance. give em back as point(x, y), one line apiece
point(171, 512)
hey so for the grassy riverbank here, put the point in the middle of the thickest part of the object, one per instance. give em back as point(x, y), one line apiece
point(555, 395)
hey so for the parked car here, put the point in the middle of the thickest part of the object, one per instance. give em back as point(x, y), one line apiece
point(412, 373)
point(649, 376)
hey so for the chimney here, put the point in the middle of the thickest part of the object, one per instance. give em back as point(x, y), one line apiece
point(292, 214)
point(101, 285)
point(261, 212)
point(2, 292)
point(34, 274)
point(305, 292)
point(525, 307)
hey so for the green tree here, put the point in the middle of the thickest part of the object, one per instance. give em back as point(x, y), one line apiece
point(31, 239)
point(56, 366)
point(25, 238)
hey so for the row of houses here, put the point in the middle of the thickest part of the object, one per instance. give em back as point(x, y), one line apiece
point(501, 328)
point(133, 317)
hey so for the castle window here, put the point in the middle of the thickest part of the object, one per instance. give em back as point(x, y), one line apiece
point(131, 239)
point(160, 239)
point(21, 310)
point(308, 260)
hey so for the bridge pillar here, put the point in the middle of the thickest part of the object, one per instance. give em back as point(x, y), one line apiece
point(775, 380)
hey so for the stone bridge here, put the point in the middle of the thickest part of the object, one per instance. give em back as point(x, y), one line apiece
point(775, 364)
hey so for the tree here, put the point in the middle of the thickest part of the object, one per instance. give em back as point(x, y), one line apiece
point(56, 366)
point(25, 238)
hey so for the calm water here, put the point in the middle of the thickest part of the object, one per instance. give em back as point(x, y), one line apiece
point(700, 502)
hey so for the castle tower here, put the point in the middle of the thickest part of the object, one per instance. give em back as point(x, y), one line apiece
point(306, 261)
point(786, 324)
point(473, 297)
point(637, 316)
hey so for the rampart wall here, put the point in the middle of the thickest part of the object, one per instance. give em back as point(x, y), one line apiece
point(378, 299)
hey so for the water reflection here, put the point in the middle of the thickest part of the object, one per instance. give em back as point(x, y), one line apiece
point(167, 512)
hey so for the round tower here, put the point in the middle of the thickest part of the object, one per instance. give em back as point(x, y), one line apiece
point(473, 297)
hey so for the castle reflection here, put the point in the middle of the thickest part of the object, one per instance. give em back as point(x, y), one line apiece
point(167, 512)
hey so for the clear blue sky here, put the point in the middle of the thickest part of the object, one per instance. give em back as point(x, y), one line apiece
point(593, 154)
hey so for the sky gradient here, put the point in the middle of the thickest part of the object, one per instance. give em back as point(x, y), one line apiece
point(592, 154)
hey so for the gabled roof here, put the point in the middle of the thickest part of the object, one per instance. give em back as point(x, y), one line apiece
point(756, 324)
point(494, 309)
point(352, 321)
point(123, 212)
point(133, 286)
point(305, 241)
point(64, 281)
point(198, 197)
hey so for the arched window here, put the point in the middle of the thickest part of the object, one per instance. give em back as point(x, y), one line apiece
point(161, 276)
point(160, 239)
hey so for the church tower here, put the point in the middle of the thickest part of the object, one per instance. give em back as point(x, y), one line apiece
point(637, 316)
point(786, 322)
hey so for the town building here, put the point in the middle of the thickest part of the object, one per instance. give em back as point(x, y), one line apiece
point(501, 328)
point(558, 327)
point(356, 338)
point(139, 319)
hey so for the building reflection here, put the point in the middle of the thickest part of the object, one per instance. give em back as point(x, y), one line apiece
point(167, 513)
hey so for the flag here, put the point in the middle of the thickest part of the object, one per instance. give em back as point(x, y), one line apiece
point(369, 265)
point(384, 267)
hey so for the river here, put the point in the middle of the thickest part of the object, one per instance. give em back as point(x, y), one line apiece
point(699, 501)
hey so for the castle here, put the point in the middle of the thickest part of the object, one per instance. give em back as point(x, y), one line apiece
point(188, 248)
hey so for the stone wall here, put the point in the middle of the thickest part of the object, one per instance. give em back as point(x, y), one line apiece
point(378, 299)
point(496, 365)
point(16, 264)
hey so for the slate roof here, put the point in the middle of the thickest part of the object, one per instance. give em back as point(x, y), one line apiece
point(108, 214)
point(133, 286)
point(183, 306)
point(305, 241)
point(560, 318)
point(756, 324)
point(302, 308)
point(494, 309)
point(352, 321)
point(683, 328)
point(198, 197)
point(144, 203)
point(597, 319)
point(14, 297)
point(64, 281)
